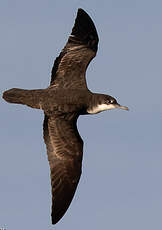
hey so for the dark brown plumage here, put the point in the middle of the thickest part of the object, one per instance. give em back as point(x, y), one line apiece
point(63, 101)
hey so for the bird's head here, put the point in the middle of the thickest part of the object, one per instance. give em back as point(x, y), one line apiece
point(104, 102)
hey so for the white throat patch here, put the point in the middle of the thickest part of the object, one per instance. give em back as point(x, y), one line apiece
point(100, 108)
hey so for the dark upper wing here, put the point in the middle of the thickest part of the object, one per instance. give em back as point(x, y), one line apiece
point(64, 149)
point(70, 66)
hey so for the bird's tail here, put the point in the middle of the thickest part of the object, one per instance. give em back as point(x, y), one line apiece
point(23, 96)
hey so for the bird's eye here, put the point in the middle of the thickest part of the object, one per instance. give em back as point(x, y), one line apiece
point(110, 101)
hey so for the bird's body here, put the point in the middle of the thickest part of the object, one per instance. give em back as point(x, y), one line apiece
point(63, 102)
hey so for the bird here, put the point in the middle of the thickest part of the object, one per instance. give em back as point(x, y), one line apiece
point(66, 98)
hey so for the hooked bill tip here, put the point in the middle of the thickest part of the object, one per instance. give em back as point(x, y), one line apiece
point(123, 107)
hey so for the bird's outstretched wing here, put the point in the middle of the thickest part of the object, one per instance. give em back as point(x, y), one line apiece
point(63, 142)
point(64, 149)
point(70, 66)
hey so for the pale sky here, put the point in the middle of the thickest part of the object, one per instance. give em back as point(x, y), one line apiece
point(121, 183)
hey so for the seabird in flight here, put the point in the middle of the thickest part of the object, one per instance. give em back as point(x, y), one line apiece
point(63, 102)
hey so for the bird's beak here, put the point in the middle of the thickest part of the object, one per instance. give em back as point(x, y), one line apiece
point(122, 107)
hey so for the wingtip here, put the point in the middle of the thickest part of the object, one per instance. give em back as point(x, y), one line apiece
point(85, 30)
point(80, 11)
point(54, 221)
point(83, 13)
point(56, 216)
